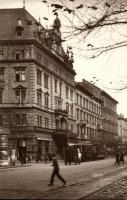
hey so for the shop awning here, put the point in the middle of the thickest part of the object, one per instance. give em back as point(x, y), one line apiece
point(81, 143)
point(44, 137)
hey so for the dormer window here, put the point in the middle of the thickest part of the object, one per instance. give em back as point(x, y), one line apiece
point(19, 28)
point(19, 22)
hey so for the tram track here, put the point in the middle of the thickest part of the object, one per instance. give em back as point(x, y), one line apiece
point(55, 193)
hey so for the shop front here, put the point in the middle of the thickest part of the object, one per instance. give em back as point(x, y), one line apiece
point(3, 147)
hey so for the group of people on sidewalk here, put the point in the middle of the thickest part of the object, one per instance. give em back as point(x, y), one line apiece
point(119, 157)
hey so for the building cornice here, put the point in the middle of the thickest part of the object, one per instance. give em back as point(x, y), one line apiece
point(41, 47)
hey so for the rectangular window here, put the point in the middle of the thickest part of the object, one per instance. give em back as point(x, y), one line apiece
point(1, 55)
point(1, 74)
point(1, 120)
point(24, 120)
point(20, 74)
point(71, 94)
point(58, 104)
point(71, 110)
point(39, 120)
point(77, 114)
point(46, 79)
point(72, 127)
point(39, 74)
point(81, 114)
point(21, 95)
point(78, 128)
point(60, 87)
point(67, 107)
point(22, 54)
point(67, 92)
point(55, 82)
point(18, 119)
point(46, 97)
point(39, 98)
point(17, 55)
point(0, 96)
point(80, 100)
point(46, 122)
point(38, 123)
point(77, 96)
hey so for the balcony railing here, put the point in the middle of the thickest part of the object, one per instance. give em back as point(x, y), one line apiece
point(61, 112)
point(30, 128)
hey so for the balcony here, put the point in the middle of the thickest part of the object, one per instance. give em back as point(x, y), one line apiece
point(30, 128)
point(61, 130)
point(58, 112)
point(83, 123)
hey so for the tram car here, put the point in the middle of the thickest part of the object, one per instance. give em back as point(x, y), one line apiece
point(88, 152)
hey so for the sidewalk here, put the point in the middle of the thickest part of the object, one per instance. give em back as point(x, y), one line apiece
point(18, 164)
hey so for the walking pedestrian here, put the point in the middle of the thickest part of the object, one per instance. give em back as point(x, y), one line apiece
point(79, 156)
point(56, 171)
point(122, 157)
point(117, 157)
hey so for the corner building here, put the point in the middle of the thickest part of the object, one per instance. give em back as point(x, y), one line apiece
point(36, 85)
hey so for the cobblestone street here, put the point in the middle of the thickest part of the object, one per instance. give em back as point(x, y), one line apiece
point(91, 180)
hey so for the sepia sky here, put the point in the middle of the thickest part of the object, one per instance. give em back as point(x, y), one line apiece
point(110, 69)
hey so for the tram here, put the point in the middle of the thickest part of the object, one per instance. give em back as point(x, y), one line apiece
point(88, 152)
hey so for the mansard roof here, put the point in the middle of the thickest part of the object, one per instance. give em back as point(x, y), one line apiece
point(32, 30)
point(8, 23)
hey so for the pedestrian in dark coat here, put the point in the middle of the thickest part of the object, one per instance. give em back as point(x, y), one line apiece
point(117, 157)
point(56, 171)
point(122, 157)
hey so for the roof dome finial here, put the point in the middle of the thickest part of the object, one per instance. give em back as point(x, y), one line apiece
point(57, 23)
point(23, 3)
